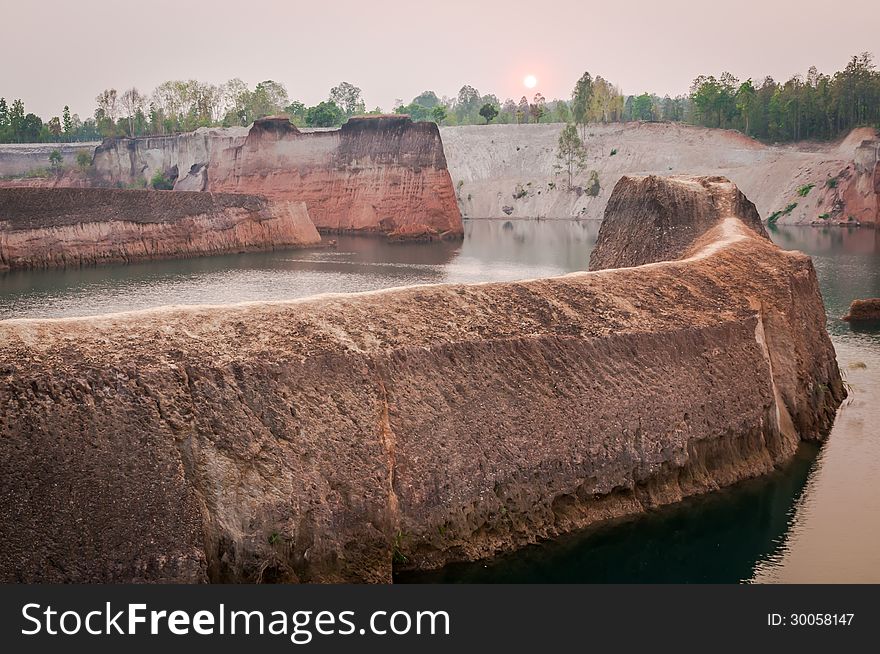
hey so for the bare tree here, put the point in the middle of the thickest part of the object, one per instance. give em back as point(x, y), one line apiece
point(132, 102)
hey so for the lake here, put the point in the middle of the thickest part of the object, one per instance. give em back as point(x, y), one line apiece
point(815, 520)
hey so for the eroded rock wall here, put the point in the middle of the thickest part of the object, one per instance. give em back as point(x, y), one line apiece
point(334, 438)
point(508, 170)
point(650, 219)
point(71, 227)
point(375, 174)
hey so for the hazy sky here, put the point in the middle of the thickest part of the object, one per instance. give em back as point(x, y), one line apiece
point(58, 53)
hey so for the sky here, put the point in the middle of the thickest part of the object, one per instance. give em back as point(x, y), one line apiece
point(66, 52)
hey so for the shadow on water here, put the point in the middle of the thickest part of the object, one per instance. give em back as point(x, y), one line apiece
point(714, 538)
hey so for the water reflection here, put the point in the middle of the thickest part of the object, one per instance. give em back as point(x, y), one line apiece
point(491, 251)
point(713, 539)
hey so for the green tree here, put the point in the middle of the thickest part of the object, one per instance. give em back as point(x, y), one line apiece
point(745, 100)
point(438, 114)
point(571, 155)
point(268, 99)
point(54, 126)
point(642, 107)
point(325, 114)
point(538, 107)
point(347, 97)
point(296, 111)
point(67, 122)
point(522, 110)
point(488, 111)
point(55, 160)
point(581, 97)
point(427, 99)
point(83, 160)
point(467, 104)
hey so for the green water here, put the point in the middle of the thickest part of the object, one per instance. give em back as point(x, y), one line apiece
point(817, 519)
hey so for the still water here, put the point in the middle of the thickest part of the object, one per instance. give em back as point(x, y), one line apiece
point(815, 520)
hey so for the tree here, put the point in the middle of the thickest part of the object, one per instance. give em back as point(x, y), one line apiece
point(67, 122)
point(522, 110)
point(467, 104)
point(642, 107)
point(132, 102)
point(745, 100)
point(562, 113)
point(347, 97)
point(438, 114)
point(296, 111)
point(29, 129)
point(54, 126)
point(488, 111)
point(268, 99)
point(55, 159)
point(580, 101)
point(538, 107)
point(571, 155)
point(324, 114)
point(83, 160)
point(107, 102)
point(427, 99)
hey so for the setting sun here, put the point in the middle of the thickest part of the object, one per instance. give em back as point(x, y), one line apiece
point(530, 81)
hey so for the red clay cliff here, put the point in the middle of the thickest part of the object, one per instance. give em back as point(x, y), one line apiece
point(383, 174)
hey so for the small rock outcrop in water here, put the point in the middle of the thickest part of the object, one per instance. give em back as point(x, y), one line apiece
point(42, 227)
point(334, 438)
point(379, 174)
point(860, 310)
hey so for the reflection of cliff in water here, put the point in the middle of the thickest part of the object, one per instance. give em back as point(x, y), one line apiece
point(716, 538)
point(557, 246)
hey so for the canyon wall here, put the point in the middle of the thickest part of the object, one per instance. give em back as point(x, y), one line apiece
point(501, 170)
point(23, 159)
point(337, 438)
point(381, 174)
point(42, 227)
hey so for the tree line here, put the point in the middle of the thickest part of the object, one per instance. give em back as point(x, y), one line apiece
point(815, 106)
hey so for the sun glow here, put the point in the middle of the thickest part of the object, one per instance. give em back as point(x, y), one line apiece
point(530, 81)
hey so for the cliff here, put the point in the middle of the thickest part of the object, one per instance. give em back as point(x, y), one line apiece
point(375, 174)
point(71, 227)
point(502, 170)
point(22, 159)
point(651, 219)
point(337, 437)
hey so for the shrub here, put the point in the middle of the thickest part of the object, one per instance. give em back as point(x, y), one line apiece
point(831, 182)
point(160, 182)
point(776, 215)
point(593, 186)
point(613, 151)
point(805, 189)
point(83, 160)
point(55, 159)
